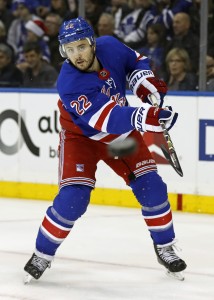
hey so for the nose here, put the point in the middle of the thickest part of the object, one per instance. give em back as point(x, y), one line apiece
point(77, 54)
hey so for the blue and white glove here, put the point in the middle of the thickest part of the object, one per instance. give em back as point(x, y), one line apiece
point(148, 118)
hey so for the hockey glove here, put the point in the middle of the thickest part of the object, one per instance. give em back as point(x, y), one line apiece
point(143, 83)
point(148, 118)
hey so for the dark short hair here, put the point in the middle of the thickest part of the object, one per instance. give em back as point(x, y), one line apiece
point(32, 46)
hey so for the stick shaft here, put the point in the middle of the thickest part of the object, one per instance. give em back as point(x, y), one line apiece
point(171, 156)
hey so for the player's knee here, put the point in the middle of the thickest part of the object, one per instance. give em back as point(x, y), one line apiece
point(149, 189)
point(72, 201)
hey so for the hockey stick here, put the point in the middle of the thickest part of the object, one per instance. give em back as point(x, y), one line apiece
point(169, 154)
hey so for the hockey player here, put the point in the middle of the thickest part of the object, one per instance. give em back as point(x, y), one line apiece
point(93, 113)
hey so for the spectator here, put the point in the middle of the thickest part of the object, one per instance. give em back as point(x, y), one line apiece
point(3, 37)
point(105, 25)
point(3, 33)
point(39, 74)
point(61, 8)
point(52, 23)
point(17, 33)
point(10, 76)
point(43, 8)
point(119, 9)
point(195, 21)
point(93, 11)
point(167, 9)
point(154, 49)
point(132, 28)
point(6, 15)
point(183, 37)
point(35, 33)
point(73, 8)
point(210, 73)
point(195, 15)
point(179, 77)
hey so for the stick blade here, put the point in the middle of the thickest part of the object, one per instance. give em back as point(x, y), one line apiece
point(172, 158)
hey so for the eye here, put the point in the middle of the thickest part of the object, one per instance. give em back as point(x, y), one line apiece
point(82, 47)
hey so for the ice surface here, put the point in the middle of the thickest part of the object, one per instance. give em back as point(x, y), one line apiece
point(108, 255)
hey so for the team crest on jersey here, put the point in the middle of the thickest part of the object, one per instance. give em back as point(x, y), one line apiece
point(80, 167)
point(109, 90)
point(104, 74)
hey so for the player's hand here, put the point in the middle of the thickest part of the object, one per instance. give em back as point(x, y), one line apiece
point(148, 118)
point(152, 85)
point(143, 83)
point(168, 117)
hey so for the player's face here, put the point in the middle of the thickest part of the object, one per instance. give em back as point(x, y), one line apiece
point(81, 54)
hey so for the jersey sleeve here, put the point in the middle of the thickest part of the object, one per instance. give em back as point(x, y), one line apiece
point(131, 58)
point(100, 112)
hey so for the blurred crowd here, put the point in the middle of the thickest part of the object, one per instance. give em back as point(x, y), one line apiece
point(166, 31)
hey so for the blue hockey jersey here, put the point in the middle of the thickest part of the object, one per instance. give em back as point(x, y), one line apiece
point(94, 104)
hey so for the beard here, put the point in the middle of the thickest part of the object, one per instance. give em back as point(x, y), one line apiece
point(85, 65)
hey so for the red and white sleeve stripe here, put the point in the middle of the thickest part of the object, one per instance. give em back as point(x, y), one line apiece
point(100, 119)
